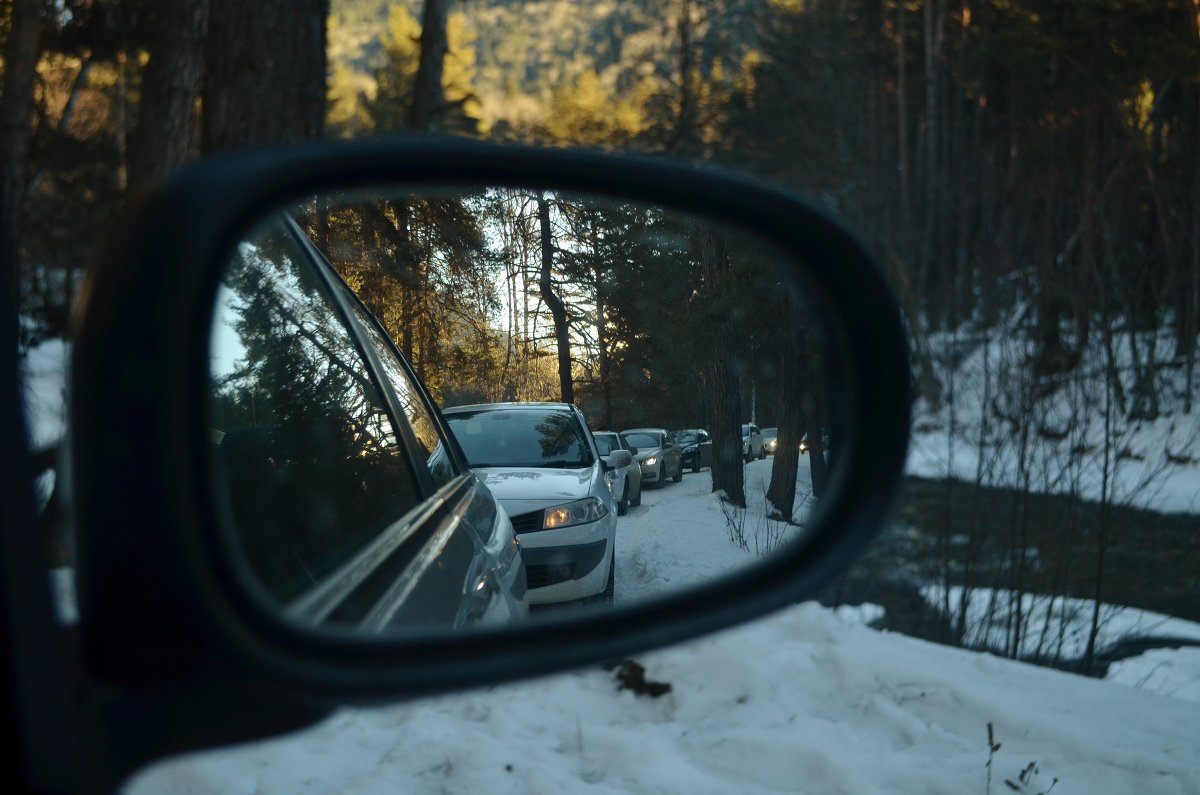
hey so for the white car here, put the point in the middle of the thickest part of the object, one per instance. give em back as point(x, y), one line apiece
point(541, 463)
point(752, 443)
point(625, 482)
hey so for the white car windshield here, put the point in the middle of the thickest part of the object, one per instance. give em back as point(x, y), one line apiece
point(521, 438)
point(643, 440)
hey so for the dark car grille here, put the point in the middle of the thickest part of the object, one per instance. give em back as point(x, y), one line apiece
point(552, 565)
point(541, 576)
point(527, 522)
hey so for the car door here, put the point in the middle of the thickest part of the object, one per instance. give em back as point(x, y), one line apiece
point(633, 472)
point(673, 456)
point(704, 449)
point(327, 457)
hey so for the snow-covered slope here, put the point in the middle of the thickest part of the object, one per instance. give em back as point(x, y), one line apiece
point(807, 701)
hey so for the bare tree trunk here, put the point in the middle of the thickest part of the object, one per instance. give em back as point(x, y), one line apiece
point(264, 73)
point(428, 95)
point(723, 382)
point(16, 116)
point(685, 119)
point(902, 118)
point(1107, 476)
point(557, 310)
point(1190, 295)
point(931, 276)
point(166, 129)
point(121, 105)
point(602, 341)
point(817, 412)
point(793, 393)
point(68, 113)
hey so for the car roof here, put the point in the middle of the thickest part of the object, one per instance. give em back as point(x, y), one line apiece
point(559, 406)
point(644, 430)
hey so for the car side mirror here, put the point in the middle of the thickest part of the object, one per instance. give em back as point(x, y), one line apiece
point(176, 340)
point(619, 459)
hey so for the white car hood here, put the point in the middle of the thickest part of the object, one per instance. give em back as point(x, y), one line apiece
point(522, 489)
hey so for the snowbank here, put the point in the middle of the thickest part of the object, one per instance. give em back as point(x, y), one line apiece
point(807, 701)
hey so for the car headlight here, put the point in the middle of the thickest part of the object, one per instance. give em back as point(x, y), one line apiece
point(510, 554)
point(610, 477)
point(582, 511)
point(651, 461)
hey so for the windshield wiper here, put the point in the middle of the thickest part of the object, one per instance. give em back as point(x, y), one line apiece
point(563, 465)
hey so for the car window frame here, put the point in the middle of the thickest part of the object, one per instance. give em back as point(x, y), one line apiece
point(331, 280)
point(438, 509)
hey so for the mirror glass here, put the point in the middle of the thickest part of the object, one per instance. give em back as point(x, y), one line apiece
point(436, 410)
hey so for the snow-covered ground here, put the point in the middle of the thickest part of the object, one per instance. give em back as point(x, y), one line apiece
point(44, 375)
point(1052, 627)
point(1007, 427)
point(809, 700)
point(681, 534)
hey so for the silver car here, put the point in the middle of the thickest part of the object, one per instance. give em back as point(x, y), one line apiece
point(657, 454)
point(625, 482)
point(540, 462)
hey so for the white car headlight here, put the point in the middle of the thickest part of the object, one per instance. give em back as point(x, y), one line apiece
point(510, 554)
point(651, 461)
point(582, 511)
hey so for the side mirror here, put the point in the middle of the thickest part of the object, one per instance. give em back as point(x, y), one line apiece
point(222, 301)
point(619, 459)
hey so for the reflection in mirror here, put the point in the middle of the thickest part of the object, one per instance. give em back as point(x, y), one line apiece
point(635, 400)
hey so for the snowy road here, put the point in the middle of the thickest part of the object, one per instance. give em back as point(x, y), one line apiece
point(680, 535)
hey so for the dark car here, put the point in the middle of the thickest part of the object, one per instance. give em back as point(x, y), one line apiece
point(695, 448)
point(770, 440)
point(326, 444)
